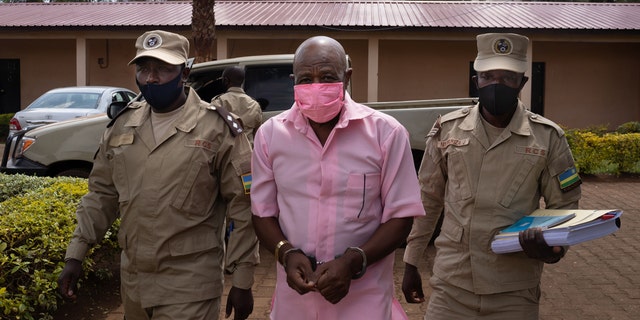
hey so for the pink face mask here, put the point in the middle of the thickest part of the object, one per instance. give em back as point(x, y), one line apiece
point(319, 102)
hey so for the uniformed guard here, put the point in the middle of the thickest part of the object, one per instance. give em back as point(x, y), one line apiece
point(485, 167)
point(173, 168)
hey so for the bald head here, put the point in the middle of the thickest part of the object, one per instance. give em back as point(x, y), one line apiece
point(233, 76)
point(320, 59)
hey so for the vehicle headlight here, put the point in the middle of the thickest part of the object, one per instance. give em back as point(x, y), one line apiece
point(23, 145)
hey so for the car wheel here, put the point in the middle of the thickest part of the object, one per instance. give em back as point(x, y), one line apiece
point(77, 173)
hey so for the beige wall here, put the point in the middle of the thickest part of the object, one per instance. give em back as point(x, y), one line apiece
point(436, 69)
point(591, 84)
point(114, 71)
point(44, 65)
point(588, 81)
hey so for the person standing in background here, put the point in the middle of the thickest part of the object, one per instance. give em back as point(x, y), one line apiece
point(238, 102)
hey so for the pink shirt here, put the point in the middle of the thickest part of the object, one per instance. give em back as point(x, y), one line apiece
point(331, 197)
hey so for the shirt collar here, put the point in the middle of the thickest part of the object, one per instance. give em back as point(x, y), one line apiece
point(519, 122)
point(186, 122)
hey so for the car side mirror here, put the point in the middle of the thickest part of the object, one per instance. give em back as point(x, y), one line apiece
point(115, 108)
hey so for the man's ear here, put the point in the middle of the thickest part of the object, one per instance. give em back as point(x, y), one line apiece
point(524, 81)
point(475, 81)
point(185, 73)
point(347, 77)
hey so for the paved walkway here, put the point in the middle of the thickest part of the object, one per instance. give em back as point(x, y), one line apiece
point(596, 280)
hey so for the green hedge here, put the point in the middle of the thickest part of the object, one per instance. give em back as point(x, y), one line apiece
point(4, 126)
point(37, 218)
point(597, 151)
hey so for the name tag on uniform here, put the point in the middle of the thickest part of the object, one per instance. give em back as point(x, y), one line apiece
point(453, 142)
point(531, 151)
point(200, 143)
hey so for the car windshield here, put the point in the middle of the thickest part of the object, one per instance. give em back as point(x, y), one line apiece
point(71, 100)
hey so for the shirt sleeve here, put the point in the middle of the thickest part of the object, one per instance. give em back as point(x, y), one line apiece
point(432, 177)
point(235, 183)
point(97, 210)
point(264, 196)
point(400, 190)
point(560, 180)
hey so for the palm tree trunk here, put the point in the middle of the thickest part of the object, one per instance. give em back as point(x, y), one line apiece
point(203, 27)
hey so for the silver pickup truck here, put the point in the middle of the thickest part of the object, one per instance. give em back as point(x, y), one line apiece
point(68, 147)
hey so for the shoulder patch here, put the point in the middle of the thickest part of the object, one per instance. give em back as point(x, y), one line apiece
point(569, 179)
point(246, 183)
point(232, 122)
point(435, 129)
point(534, 117)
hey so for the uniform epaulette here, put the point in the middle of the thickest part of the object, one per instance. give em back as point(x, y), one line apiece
point(232, 122)
point(540, 119)
point(125, 109)
point(462, 112)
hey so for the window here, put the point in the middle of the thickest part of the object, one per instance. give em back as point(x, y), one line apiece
point(270, 85)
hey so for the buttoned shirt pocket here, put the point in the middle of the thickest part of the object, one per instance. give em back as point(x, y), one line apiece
point(362, 197)
point(452, 230)
point(458, 185)
point(196, 193)
point(521, 179)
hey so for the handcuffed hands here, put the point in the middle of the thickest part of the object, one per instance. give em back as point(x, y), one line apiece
point(535, 247)
point(300, 275)
point(331, 279)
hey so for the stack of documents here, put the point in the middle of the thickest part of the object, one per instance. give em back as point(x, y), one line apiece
point(560, 227)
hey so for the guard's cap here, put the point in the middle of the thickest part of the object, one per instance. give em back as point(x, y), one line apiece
point(501, 51)
point(169, 47)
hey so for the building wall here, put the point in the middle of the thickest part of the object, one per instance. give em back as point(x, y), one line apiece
point(587, 83)
point(114, 70)
point(591, 84)
point(424, 69)
point(44, 64)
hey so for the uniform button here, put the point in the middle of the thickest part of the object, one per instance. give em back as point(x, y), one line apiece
point(465, 110)
point(534, 116)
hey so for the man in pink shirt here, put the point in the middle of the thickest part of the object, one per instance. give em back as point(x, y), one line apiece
point(334, 194)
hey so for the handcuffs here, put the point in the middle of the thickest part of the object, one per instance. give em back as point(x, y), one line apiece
point(315, 263)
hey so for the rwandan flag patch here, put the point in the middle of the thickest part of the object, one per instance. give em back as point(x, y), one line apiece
point(569, 179)
point(246, 182)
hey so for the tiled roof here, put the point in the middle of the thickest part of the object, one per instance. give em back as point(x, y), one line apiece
point(331, 13)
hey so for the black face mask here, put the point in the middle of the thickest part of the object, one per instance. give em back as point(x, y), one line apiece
point(498, 99)
point(161, 96)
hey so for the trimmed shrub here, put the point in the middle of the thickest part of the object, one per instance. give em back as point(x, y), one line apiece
point(37, 219)
point(629, 127)
point(4, 125)
point(608, 153)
